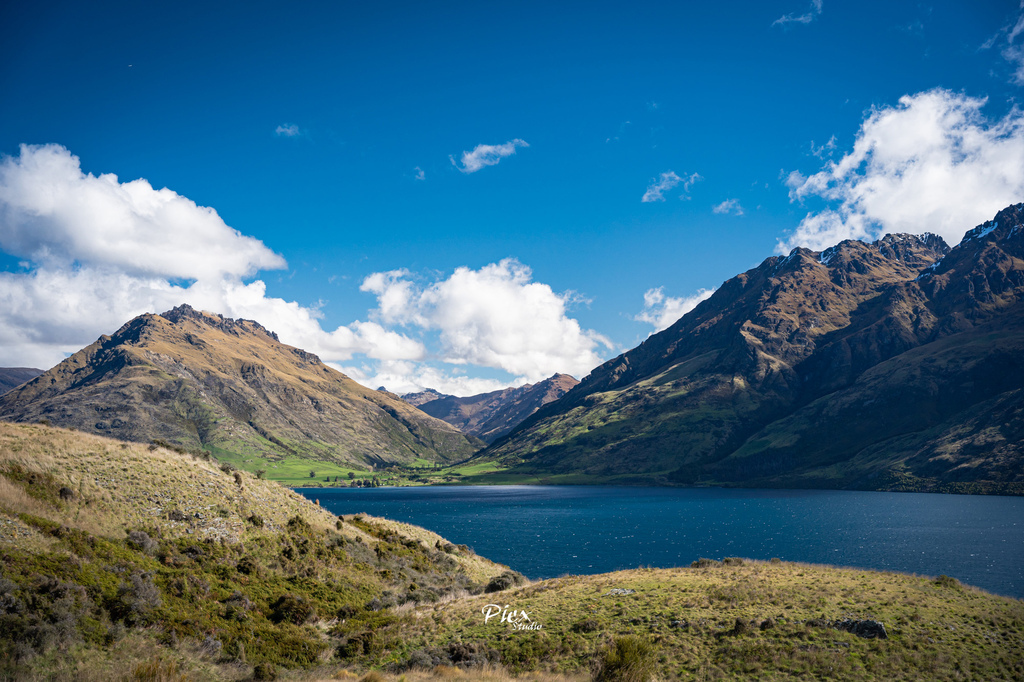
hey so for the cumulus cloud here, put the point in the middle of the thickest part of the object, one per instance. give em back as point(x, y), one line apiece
point(667, 181)
point(496, 317)
point(287, 130)
point(51, 212)
point(484, 155)
point(400, 377)
point(99, 252)
point(419, 175)
point(807, 17)
point(728, 207)
point(933, 163)
point(662, 311)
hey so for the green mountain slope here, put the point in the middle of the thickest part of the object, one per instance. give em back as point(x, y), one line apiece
point(853, 367)
point(198, 380)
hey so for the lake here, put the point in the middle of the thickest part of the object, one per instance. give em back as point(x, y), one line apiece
point(547, 531)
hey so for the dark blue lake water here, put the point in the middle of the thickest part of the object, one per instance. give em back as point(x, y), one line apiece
point(547, 531)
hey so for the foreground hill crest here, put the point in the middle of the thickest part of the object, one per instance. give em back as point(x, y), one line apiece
point(200, 380)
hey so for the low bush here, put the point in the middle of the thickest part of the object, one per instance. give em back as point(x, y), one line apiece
point(290, 608)
point(505, 581)
point(705, 563)
point(629, 659)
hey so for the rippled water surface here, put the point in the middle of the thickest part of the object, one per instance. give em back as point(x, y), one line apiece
point(546, 531)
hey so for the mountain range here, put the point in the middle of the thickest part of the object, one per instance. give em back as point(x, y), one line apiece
point(890, 365)
point(12, 377)
point(197, 380)
point(490, 416)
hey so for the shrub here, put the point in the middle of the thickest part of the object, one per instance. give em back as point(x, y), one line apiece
point(732, 561)
point(137, 599)
point(211, 646)
point(292, 609)
point(264, 672)
point(227, 468)
point(505, 581)
point(947, 581)
point(422, 658)
point(248, 566)
point(629, 659)
point(238, 478)
point(587, 625)
point(141, 541)
point(237, 607)
point(255, 520)
point(705, 563)
point(260, 473)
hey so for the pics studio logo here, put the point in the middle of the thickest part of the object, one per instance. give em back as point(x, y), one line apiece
point(516, 619)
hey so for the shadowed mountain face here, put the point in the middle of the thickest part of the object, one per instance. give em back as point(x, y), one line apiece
point(12, 377)
point(201, 380)
point(884, 365)
point(490, 416)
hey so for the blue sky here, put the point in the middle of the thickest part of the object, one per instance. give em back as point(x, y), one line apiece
point(451, 194)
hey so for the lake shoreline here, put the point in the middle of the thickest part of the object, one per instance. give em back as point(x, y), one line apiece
point(546, 531)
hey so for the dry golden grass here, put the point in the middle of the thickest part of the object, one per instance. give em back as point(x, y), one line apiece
point(119, 486)
point(478, 568)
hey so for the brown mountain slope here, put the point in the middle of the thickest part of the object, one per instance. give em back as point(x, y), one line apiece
point(417, 399)
point(12, 377)
point(707, 398)
point(201, 380)
point(490, 416)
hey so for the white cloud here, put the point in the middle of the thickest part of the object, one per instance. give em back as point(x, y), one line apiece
point(484, 155)
point(410, 377)
point(1010, 49)
point(807, 17)
point(933, 163)
point(53, 213)
point(420, 175)
point(825, 150)
point(100, 252)
point(662, 311)
point(287, 130)
point(493, 317)
point(728, 207)
point(656, 190)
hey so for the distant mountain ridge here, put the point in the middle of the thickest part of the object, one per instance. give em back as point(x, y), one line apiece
point(12, 377)
point(892, 365)
point(490, 416)
point(201, 380)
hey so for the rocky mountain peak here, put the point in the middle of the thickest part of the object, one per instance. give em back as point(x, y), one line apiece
point(228, 325)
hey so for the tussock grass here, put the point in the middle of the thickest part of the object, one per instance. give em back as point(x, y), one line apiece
point(104, 582)
point(750, 619)
point(215, 570)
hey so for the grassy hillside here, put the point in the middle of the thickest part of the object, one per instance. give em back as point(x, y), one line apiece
point(746, 620)
point(117, 556)
point(123, 561)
